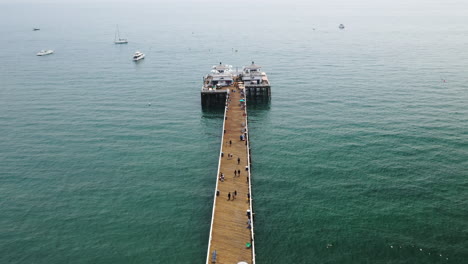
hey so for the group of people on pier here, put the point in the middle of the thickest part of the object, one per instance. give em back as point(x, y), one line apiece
point(234, 159)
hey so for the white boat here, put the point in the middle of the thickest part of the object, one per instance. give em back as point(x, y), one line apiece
point(138, 56)
point(117, 39)
point(44, 52)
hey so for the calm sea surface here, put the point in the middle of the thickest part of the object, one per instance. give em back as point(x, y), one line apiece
point(361, 157)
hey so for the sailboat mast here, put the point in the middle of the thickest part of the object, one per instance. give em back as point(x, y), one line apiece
point(118, 32)
point(117, 39)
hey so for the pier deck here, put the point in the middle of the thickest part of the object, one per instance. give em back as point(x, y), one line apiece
point(229, 227)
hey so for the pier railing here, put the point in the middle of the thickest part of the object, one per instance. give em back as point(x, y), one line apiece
point(217, 182)
point(252, 233)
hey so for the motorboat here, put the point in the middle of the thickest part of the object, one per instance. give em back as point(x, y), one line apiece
point(36, 29)
point(138, 56)
point(117, 39)
point(44, 52)
point(341, 26)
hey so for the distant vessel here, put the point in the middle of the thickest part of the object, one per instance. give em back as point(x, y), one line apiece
point(117, 39)
point(341, 26)
point(138, 56)
point(44, 52)
point(36, 29)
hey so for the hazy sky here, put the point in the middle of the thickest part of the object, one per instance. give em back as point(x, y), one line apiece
point(351, 7)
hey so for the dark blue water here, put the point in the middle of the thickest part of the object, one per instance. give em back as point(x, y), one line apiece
point(361, 157)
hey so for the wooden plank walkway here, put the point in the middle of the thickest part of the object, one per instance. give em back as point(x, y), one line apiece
point(230, 228)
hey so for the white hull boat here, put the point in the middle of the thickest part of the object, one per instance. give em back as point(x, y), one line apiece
point(117, 39)
point(138, 56)
point(45, 52)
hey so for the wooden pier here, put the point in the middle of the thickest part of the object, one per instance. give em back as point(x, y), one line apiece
point(232, 226)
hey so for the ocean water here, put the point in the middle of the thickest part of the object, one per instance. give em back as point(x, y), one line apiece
point(361, 156)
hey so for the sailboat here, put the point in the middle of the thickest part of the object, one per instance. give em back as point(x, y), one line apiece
point(117, 39)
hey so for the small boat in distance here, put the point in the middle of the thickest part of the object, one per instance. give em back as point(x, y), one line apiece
point(117, 39)
point(138, 56)
point(44, 52)
point(36, 29)
point(341, 26)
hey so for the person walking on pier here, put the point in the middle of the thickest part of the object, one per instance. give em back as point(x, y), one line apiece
point(238, 161)
point(235, 194)
point(229, 196)
point(238, 173)
point(230, 142)
point(235, 173)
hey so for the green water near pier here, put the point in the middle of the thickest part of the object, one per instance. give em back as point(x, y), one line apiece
point(361, 156)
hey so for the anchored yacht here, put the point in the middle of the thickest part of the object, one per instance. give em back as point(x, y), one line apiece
point(44, 52)
point(138, 56)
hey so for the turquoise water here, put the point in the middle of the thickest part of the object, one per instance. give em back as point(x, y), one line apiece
point(361, 157)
